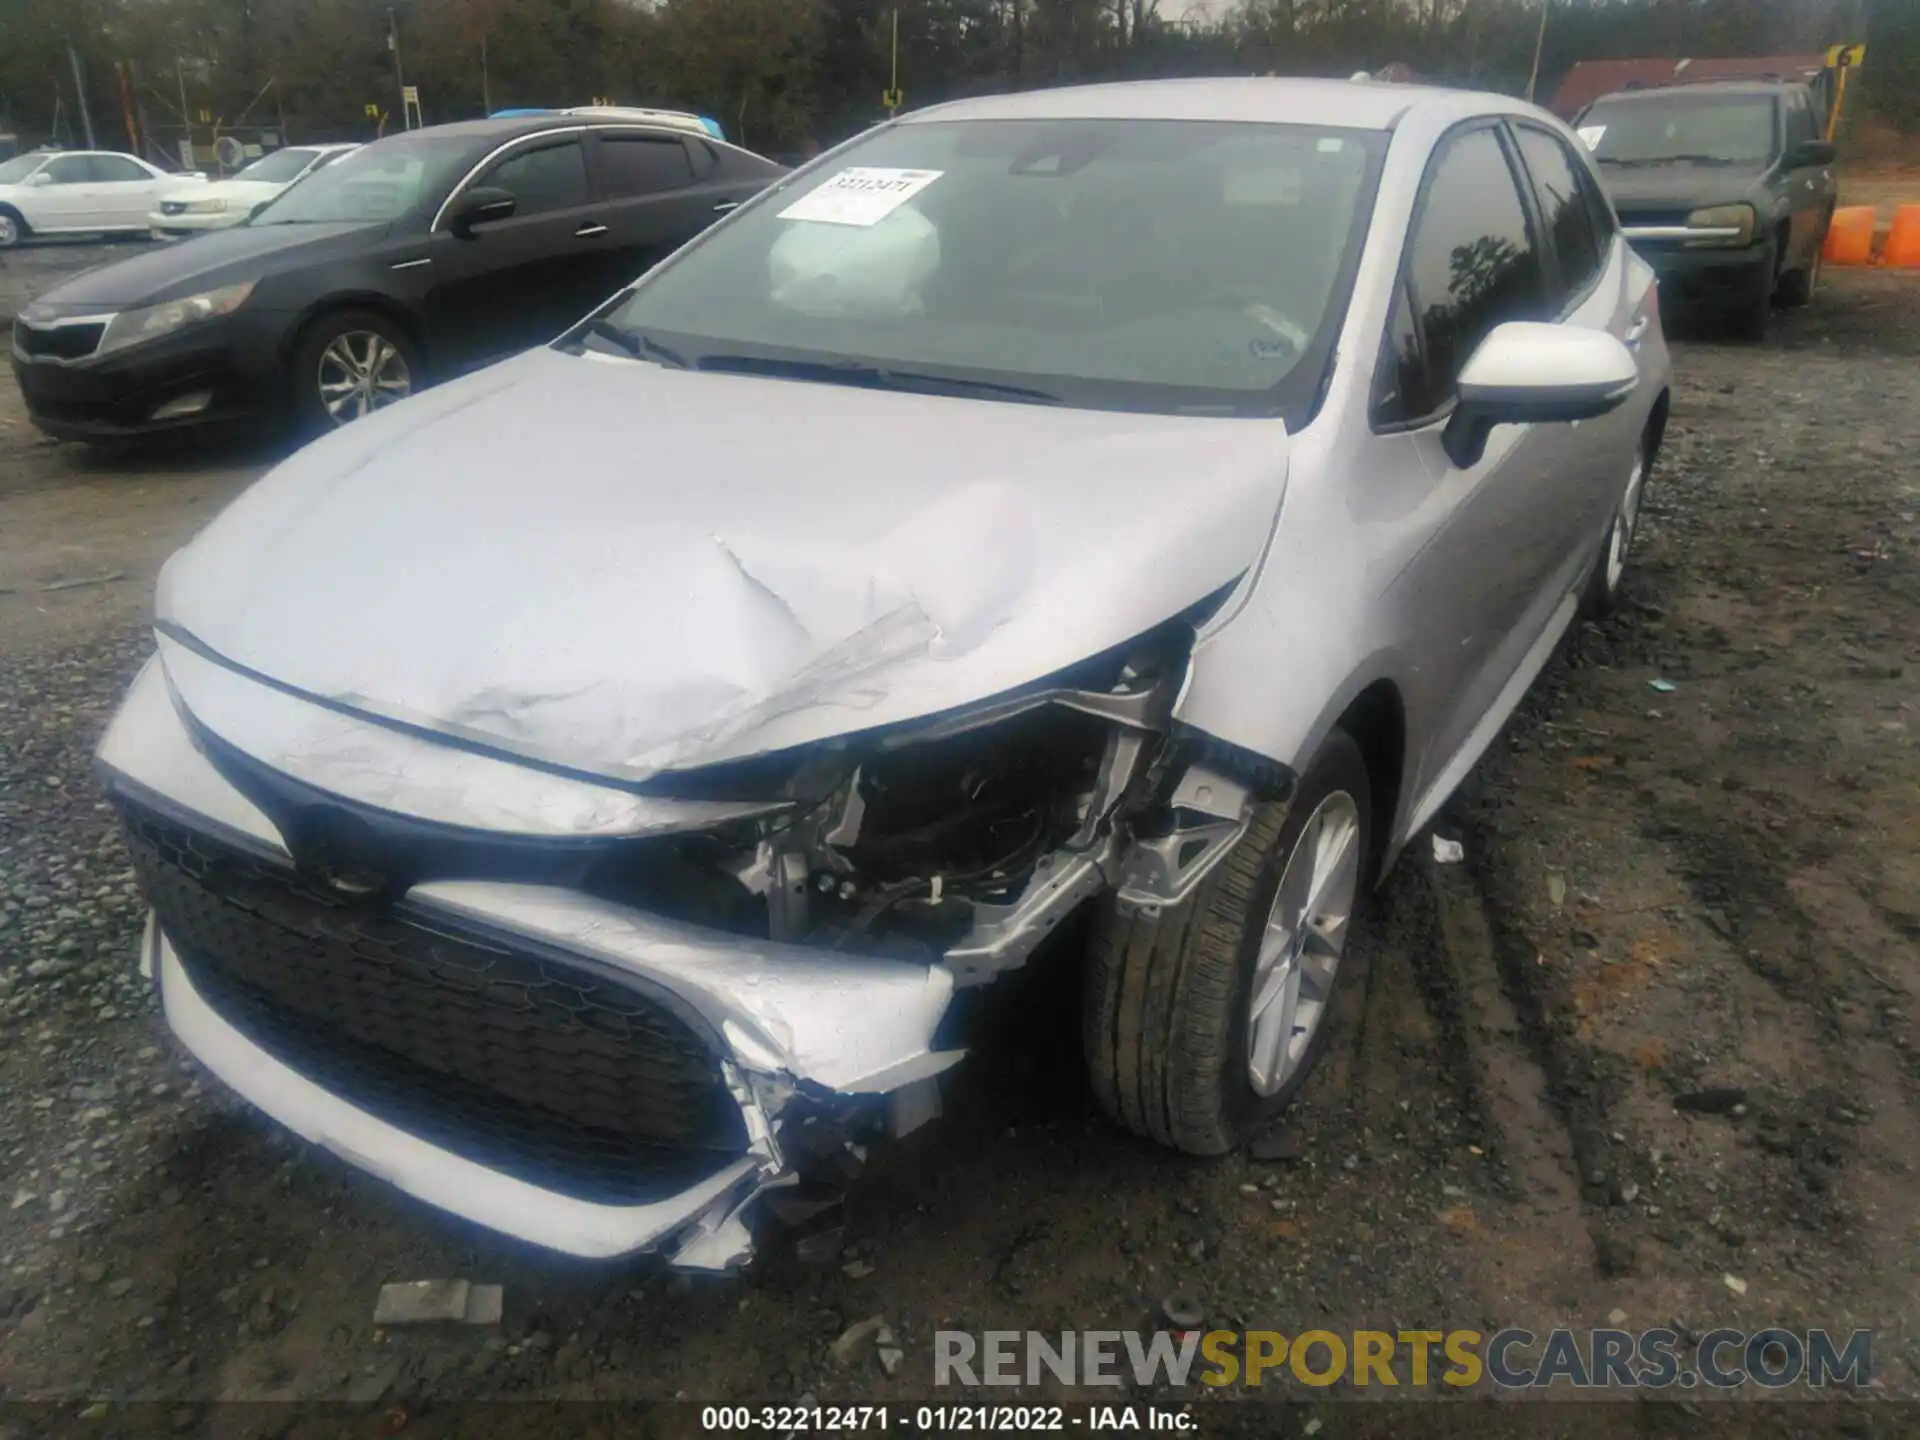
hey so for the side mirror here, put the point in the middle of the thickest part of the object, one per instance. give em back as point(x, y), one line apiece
point(477, 207)
point(254, 214)
point(40, 177)
point(1532, 374)
point(1809, 153)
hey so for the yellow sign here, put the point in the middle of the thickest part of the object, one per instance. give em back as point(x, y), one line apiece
point(893, 99)
point(602, 101)
point(206, 117)
point(1848, 55)
point(372, 112)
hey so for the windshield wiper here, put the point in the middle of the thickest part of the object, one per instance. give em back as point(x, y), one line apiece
point(868, 376)
point(637, 344)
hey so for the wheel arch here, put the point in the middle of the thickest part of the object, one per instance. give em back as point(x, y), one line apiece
point(1656, 431)
point(1376, 718)
point(385, 306)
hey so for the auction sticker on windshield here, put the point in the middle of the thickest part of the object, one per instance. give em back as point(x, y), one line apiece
point(1590, 135)
point(860, 195)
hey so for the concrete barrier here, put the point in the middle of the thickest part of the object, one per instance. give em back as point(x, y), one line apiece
point(1903, 240)
point(1850, 237)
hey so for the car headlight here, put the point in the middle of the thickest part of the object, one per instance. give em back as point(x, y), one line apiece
point(1724, 225)
point(205, 207)
point(150, 322)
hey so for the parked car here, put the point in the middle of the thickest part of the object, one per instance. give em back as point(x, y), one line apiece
point(222, 204)
point(577, 795)
point(412, 258)
point(82, 192)
point(1727, 189)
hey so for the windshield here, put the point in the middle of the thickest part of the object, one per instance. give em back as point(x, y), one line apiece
point(279, 168)
point(1171, 266)
point(387, 180)
point(1730, 130)
point(18, 168)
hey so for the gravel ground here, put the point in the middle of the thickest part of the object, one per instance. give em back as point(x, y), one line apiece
point(1708, 884)
point(41, 264)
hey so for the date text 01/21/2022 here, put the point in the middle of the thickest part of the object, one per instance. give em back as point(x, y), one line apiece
point(944, 1419)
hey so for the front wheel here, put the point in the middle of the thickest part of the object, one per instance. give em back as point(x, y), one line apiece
point(349, 364)
point(1797, 286)
point(13, 228)
point(1202, 1022)
point(1603, 590)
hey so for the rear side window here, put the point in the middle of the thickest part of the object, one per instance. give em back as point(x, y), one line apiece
point(1563, 209)
point(553, 177)
point(111, 169)
point(1472, 263)
point(633, 165)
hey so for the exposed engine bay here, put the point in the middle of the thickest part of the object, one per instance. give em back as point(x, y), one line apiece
point(774, 963)
point(964, 841)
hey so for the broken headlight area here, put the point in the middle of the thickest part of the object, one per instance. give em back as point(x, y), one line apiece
point(961, 840)
point(655, 1032)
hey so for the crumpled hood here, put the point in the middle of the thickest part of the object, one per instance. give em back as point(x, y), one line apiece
point(622, 569)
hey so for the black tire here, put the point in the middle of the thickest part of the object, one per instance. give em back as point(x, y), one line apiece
point(1797, 286)
point(1167, 996)
point(1749, 321)
point(15, 230)
point(309, 407)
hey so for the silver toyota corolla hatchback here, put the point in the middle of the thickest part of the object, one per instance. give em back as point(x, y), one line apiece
point(577, 793)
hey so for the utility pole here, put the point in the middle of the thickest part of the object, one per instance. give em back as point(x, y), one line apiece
point(892, 98)
point(399, 80)
point(80, 92)
point(486, 92)
point(186, 116)
point(1539, 44)
point(1019, 46)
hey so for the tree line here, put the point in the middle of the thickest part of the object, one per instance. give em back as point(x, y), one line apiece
point(781, 75)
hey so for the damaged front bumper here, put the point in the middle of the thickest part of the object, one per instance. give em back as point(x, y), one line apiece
point(761, 1032)
point(483, 1015)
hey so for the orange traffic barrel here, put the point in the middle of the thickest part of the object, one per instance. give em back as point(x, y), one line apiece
point(1850, 237)
point(1903, 241)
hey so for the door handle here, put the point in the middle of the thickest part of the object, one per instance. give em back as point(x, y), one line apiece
point(1637, 332)
point(587, 230)
point(726, 205)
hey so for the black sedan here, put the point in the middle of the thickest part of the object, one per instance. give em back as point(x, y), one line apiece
point(412, 259)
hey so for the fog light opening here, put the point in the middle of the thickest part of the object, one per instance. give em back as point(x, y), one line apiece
point(184, 406)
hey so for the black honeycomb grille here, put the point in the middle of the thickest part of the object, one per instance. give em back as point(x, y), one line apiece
point(543, 1070)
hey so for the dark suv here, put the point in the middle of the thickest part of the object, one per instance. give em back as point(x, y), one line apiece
point(1726, 189)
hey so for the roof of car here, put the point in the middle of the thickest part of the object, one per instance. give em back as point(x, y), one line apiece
point(1351, 104)
point(508, 127)
point(1702, 87)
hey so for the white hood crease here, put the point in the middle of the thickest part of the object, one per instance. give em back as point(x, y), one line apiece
point(707, 567)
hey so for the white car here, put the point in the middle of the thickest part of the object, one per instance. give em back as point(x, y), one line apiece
point(224, 203)
point(82, 192)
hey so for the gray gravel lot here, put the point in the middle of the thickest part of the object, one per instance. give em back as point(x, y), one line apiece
point(1665, 893)
point(41, 264)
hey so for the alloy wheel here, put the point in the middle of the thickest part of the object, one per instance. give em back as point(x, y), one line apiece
point(1625, 521)
point(9, 231)
point(361, 371)
point(1300, 949)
